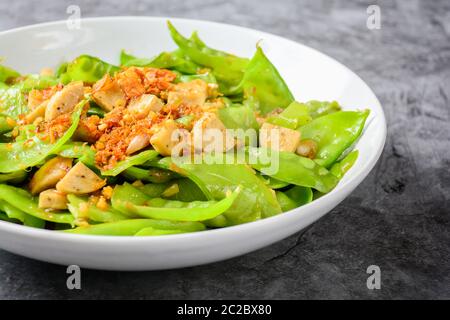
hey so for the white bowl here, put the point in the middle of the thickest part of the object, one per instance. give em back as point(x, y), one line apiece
point(310, 75)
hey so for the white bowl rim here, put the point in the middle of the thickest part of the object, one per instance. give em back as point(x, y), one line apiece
point(355, 180)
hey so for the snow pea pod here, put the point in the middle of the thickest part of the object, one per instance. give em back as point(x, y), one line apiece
point(228, 69)
point(130, 199)
point(128, 60)
point(263, 87)
point(135, 160)
point(285, 202)
point(78, 150)
point(4, 217)
point(154, 190)
point(95, 110)
point(272, 182)
point(165, 60)
point(12, 98)
point(22, 200)
point(81, 208)
point(7, 73)
point(339, 169)
point(14, 213)
point(23, 154)
point(157, 232)
point(294, 169)
point(124, 195)
point(301, 195)
point(87, 69)
point(132, 226)
point(175, 210)
point(294, 197)
point(13, 177)
point(187, 190)
point(256, 200)
point(296, 114)
point(6, 124)
point(208, 77)
point(334, 133)
point(35, 81)
point(321, 108)
point(175, 60)
point(154, 175)
point(238, 117)
point(12, 101)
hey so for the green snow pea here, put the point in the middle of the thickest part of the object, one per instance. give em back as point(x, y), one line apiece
point(321, 108)
point(238, 117)
point(124, 195)
point(334, 133)
point(155, 175)
point(87, 69)
point(14, 213)
point(78, 150)
point(128, 60)
point(208, 77)
point(301, 195)
point(35, 81)
point(12, 98)
point(188, 190)
point(292, 168)
point(154, 190)
point(132, 226)
point(135, 160)
point(165, 60)
point(272, 182)
point(285, 202)
point(256, 200)
point(294, 197)
point(23, 154)
point(81, 208)
point(13, 177)
point(296, 114)
point(5, 124)
point(61, 69)
point(7, 73)
point(4, 217)
point(227, 68)
point(26, 132)
point(175, 210)
point(157, 232)
point(263, 88)
point(95, 110)
point(339, 169)
point(22, 200)
point(130, 199)
point(160, 163)
point(12, 101)
point(217, 222)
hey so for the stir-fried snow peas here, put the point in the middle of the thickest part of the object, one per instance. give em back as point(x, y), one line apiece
point(127, 150)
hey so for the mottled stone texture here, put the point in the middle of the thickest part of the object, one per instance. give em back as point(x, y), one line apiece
point(398, 218)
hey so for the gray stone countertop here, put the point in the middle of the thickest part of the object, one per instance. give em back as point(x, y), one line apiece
point(398, 218)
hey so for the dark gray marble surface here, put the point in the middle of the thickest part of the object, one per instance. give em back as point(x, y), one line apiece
point(398, 218)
